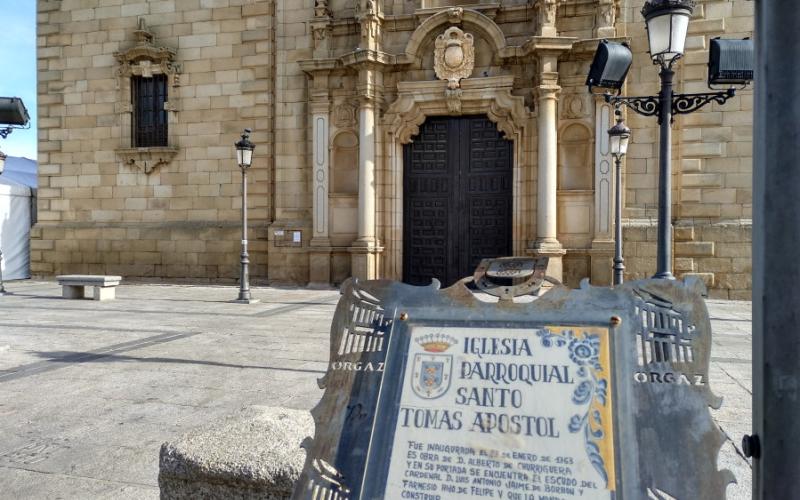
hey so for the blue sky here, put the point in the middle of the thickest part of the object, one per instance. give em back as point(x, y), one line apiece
point(18, 70)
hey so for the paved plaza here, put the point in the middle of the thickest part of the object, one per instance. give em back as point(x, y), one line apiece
point(89, 390)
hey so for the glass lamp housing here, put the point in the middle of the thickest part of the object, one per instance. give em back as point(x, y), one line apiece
point(618, 136)
point(667, 22)
point(244, 150)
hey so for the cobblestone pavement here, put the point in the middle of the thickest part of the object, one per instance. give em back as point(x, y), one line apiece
point(89, 390)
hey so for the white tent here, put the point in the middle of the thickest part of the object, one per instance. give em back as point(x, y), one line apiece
point(17, 198)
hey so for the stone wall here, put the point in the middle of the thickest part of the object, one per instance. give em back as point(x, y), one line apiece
point(99, 213)
point(718, 252)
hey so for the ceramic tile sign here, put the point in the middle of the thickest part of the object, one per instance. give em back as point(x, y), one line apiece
point(505, 414)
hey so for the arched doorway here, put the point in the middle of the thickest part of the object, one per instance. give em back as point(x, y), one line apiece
point(457, 198)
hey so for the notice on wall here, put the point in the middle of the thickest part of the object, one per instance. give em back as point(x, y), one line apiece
point(518, 414)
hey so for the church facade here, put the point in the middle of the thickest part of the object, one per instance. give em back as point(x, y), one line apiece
point(397, 139)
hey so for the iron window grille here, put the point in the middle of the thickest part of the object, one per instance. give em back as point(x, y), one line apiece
point(148, 96)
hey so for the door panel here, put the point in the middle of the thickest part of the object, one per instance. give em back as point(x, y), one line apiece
point(457, 198)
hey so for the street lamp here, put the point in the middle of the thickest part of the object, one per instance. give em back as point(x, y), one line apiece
point(618, 136)
point(667, 23)
point(244, 156)
point(730, 62)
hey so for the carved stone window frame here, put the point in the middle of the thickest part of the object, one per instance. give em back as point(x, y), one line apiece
point(146, 59)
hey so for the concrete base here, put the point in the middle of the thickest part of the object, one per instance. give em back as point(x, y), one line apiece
point(72, 292)
point(555, 266)
point(319, 268)
point(364, 262)
point(252, 455)
point(246, 301)
point(104, 293)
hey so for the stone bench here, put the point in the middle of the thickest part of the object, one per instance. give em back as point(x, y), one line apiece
point(252, 455)
point(72, 285)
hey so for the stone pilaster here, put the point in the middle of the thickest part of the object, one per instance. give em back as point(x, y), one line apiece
point(602, 251)
point(320, 251)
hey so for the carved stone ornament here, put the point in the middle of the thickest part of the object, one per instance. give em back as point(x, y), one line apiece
point(546, 17)
point(147, 159)
point(453, 97)
point(321, 8)
point(344, 115)
point(145, 58)
point(574, 106)
point(606, 17)
point(455, 15)
point(454, 56)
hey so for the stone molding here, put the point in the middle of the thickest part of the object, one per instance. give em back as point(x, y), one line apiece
point(418, 100)
point(145, 59)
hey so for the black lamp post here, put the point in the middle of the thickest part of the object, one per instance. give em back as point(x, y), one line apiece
point(618, 144)
point(2, 286)
point(730, 62)
point(244, 156)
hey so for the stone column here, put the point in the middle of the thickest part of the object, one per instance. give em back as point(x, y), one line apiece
point(547, 243)
point(366, 171)
point(364, 249)
point(320, 245)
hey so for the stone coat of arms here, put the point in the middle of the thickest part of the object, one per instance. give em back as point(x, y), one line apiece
point(454, 56)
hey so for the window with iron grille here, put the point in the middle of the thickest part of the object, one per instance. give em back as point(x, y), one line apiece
point(148, 96)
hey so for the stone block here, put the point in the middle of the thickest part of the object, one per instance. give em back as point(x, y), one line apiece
point(683, 233)
point(684, 264)
point(694, 248)
point(252, 455)
point(706, 278)
point(701, 180)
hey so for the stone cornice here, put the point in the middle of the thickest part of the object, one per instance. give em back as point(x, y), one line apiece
point(361, 57)
point(313, 66)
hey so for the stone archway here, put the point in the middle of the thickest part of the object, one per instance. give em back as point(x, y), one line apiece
point(418, 100)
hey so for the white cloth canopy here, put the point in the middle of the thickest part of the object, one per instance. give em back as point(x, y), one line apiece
point(20, 170)
point(17, 185)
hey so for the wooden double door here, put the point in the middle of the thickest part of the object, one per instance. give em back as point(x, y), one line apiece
point(457, 198)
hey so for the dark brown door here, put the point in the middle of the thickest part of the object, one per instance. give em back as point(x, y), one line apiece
point(457, 199)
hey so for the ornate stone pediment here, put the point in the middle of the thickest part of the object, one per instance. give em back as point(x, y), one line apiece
point(146, 58)
point(454, 56)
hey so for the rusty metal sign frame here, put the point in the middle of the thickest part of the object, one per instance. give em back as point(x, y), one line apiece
point(665, 441)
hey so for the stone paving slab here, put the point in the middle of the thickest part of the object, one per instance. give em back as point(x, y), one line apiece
point(90, 390)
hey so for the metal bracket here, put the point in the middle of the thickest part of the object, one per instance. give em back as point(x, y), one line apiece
point(644, 105)
point(689, 103)
point(7, 129)
point(682, 104)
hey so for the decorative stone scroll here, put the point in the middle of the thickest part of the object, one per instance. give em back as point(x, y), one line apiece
point(454, 56)
point(593, 393)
